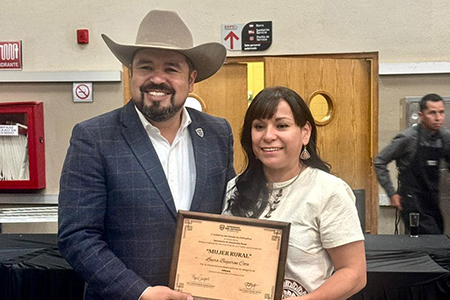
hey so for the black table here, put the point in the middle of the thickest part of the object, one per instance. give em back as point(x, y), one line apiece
point(32, 268)
point(402, 267)
point(398, 267)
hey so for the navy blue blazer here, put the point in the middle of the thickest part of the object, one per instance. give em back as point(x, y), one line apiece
point(117, 217)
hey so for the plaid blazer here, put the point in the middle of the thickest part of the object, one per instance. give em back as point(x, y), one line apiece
point(117, 217)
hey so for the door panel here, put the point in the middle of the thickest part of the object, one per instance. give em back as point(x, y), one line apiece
point(225, 95)
point(346, 141)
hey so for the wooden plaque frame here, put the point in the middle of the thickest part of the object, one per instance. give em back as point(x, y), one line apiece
point(229, 258)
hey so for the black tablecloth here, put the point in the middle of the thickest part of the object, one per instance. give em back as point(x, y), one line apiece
point(398, 267)
point(402, 267)
point(32, 268)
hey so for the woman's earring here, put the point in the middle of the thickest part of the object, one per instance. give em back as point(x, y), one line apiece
point(305, 154)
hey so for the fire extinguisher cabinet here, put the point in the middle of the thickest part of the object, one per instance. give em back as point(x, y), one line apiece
point(22, 146)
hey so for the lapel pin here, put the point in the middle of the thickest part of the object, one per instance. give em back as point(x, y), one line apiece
point(199, 132)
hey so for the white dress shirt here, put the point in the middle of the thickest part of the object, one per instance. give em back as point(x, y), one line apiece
point(177, 160)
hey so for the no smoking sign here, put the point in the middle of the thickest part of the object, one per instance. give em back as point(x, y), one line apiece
point(82, 92)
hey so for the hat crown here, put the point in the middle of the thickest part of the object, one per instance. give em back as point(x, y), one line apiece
point(164, 28)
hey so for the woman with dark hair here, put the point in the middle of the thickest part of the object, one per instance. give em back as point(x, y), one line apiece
point(286, 180)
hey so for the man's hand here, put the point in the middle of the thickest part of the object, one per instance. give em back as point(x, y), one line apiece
point(396, 201)
point(163, 293)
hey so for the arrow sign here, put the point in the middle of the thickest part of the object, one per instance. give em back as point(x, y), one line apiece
point(253, 36)
point(231, 36)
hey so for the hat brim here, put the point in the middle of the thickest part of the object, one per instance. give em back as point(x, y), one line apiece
point(207, 58)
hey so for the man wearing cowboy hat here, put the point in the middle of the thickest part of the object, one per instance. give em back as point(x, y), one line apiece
point(127, 172)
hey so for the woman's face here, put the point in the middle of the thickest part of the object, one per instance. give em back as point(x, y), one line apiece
point(277, 143)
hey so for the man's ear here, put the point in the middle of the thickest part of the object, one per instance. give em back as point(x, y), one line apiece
point(192, 77)
point(420, 115)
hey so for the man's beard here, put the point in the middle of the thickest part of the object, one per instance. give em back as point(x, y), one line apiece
point(155, 112)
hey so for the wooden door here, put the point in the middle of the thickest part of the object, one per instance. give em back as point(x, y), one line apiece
point(347, 141)
point(225, 95)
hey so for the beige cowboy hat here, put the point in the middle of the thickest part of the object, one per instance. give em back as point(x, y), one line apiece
point(162, 29)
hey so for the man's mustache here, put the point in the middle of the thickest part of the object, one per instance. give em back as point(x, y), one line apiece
point(161, 87)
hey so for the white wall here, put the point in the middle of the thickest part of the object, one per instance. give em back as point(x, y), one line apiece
point(402, 31)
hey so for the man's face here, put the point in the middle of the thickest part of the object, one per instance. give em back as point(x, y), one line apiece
point(433, 117)
point(160, 83)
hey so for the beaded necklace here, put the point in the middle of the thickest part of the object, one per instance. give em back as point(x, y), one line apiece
point(277, 197)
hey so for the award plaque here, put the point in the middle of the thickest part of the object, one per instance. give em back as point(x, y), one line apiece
point(229, 258)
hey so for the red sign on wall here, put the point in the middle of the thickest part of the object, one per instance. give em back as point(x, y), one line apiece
point(11, 55)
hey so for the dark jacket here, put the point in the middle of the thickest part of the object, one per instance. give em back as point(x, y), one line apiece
point(117, 217)
point(402, 149)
